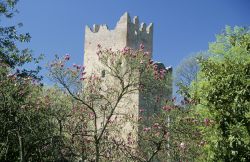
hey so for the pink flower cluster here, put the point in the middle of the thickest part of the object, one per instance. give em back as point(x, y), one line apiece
point(159, 74)
point(207, 122)
point(167, 108)
point(78, 67)
point(125, 50)
point(146, 53)
point(57, 64)
point(156, 125)
point(141, 46)
point(67, 57)
point(150, 61)
point(61, 62)
point(141, 110)
point(83, 76)
point(146, 129)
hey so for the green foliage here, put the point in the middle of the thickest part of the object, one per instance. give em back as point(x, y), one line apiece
point(172, 134)
point(10, 54)
point(223, 89)
point(24, 126)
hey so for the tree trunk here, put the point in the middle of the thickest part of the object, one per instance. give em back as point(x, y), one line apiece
point(20, 146)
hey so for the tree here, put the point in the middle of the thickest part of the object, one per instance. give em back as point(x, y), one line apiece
point(223, 90)
point(10, 55)
point(186, 73)
point(129, 71)
point(163, 131)
point(21, 138)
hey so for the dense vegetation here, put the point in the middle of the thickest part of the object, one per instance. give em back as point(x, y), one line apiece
point(62, 123)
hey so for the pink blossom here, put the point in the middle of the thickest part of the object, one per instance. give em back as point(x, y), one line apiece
point(141, 46)
point(146, 53)
point(130, 140)
point(206, 121)
point(146, 129)
point(91, 115)
point(167, 108)
point(67, 57)
point(156, 125)
point(162, 71)
point(111, 121)
point(74, 109)
point(126, 49)
point(155, 66)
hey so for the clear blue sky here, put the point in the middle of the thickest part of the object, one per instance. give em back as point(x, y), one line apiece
point(181, 27)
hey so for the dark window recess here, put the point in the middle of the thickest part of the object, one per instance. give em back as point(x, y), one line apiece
point(103, 73)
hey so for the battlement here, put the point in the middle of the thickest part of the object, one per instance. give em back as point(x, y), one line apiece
point(126, 33)
point(124, 20)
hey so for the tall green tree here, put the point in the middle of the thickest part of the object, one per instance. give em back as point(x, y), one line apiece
point(223, 92)
point(11, 56)
point(24, 127)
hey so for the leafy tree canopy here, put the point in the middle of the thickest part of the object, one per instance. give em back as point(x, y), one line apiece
point(222, 91)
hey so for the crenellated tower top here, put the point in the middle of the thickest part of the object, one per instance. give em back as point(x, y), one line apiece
point(126, 33)
point(125, 20)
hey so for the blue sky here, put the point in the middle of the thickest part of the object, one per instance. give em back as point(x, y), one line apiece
point(181, 27)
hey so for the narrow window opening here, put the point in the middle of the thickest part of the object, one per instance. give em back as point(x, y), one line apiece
point(103, 73)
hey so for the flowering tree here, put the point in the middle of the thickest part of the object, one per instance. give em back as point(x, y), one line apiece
point(130, 71)
point(159, 130)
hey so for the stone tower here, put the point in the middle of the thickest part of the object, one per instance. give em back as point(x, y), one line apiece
point(127, 33)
